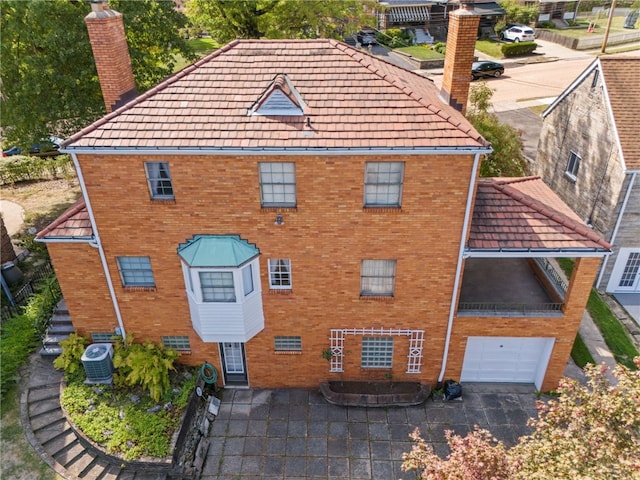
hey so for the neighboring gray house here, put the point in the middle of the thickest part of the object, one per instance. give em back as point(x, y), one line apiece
point(589, 154)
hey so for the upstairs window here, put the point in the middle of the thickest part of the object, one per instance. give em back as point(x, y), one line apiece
point(277, 184)
point(136, 272)
point(573, 165)
point(217, 287)
point(159, 180)
point(377, 277)
point(383, 184)
point(280, 273)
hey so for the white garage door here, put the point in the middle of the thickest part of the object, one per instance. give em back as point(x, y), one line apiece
point(506, 359)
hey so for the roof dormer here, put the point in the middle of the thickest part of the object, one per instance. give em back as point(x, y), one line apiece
point(280, 98)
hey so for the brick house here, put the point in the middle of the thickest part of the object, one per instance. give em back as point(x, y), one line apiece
point(282, 201)
point(589, 155)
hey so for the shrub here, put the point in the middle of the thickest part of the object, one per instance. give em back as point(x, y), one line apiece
point(25, 168)
point(548, 24)
point(70, 360)
point(518, 48)
point(395, 37)
point(147, 365)
point(440, 47)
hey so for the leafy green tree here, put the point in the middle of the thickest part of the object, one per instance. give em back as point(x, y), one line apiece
point(49, 82)
point(507, 159)
point(590, 432)
point(517, 13)
point(227, 20)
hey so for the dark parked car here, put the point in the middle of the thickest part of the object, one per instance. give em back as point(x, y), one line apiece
point(486, 69)
point(46, 147)
point(11, 151)
point(367, 37)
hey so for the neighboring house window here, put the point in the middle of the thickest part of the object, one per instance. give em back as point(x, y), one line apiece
point(630, 271)
point(247, 279)
point(383, 184)
point(377, 277)
point(277, 184)
point(573, 165)
point(377, 352)
point(288, 344)
point(159, 180)
point(217, 287)
point(596, 74)
point(179, 343)
point(280, 273)
point(136, 272)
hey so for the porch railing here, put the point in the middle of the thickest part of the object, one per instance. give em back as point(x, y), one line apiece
point(552, 275)
point(485, 308)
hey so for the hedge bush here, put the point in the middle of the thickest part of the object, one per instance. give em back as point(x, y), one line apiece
point(518, 48)
point(25, 168)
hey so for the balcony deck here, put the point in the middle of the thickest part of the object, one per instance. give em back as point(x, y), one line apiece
point(508, 285)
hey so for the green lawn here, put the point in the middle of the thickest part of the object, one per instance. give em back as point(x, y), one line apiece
point(600, 27)
point(580, 353)
point(490, 47)
point(421, 52)
point(201, 47)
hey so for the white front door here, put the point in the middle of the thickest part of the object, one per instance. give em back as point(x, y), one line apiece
point(625, 277)
point(233, 364)
point(506, 359)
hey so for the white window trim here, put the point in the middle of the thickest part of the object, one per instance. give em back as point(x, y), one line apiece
point(397, 204)
point(192, 281)
point(270, 271)
point(156, 196)
point(284, 204)
point(573, 166)
point(392, 277)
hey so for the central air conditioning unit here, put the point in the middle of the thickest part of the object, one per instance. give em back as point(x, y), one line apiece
point(97, 363)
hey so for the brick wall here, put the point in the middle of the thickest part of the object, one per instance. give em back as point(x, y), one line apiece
point(326, 237)
point(111, 54)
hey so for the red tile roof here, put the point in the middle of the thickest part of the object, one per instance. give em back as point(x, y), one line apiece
point(72, 224)
point(623, 89)
point(523, 213)
point(353, 100)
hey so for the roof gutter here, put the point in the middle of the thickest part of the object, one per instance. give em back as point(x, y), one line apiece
point(456, 282)
point(96, 243)
point(90, 240)
point(536, 253)
point(479, 150)
point(627, 194)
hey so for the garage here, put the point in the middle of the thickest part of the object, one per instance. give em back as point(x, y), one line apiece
point(506, 359)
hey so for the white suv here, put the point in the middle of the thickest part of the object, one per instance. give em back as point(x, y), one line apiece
point(519, 33)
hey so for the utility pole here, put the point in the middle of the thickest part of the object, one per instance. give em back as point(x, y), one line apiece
point(606, 32)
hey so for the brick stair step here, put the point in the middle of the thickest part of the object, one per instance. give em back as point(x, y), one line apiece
point(110, 472)
point(44, 407)
point(50, 351)
point(54, 339)
point(81, 463)
point(68, 455)
point(50, 432)
point(42, 422)
point(61, 316)
point(95, 469)
point(61, 443)
point(44, 393)
point(126, 475)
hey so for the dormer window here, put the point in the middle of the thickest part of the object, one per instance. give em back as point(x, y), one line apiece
point(280, 98)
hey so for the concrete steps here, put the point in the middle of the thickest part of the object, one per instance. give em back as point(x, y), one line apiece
point(60, 327)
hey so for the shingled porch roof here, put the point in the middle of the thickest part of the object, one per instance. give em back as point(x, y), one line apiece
point(354, 102)
point(73, 225)
point(524, 217)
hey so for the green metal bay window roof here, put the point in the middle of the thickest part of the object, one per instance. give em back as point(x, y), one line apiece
point(217, 251)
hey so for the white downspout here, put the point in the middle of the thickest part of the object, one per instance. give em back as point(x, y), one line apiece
point(456, 283)
point(615, 229)
point(97, 244)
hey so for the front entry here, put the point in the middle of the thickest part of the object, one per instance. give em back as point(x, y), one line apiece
point(234, 364)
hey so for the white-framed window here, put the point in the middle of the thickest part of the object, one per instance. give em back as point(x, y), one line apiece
point(159, 180)
point(179, 343)
point(377, 277)
point(217, 287)
point(383, 184)
point(630, 271)
point(277, 184)
point(135, 272)
point(280, 273)
point(377, 352)
point(247, 280)
point(288, 344)
point(573, 165)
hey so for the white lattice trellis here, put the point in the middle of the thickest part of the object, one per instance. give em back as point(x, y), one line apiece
point(416, 343)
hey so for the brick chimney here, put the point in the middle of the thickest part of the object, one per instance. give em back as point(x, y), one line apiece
point(111, 54)
point(461, 40)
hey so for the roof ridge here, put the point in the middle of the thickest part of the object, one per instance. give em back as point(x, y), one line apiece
point(77, 207)
point(549, 212)
point(400, 85)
